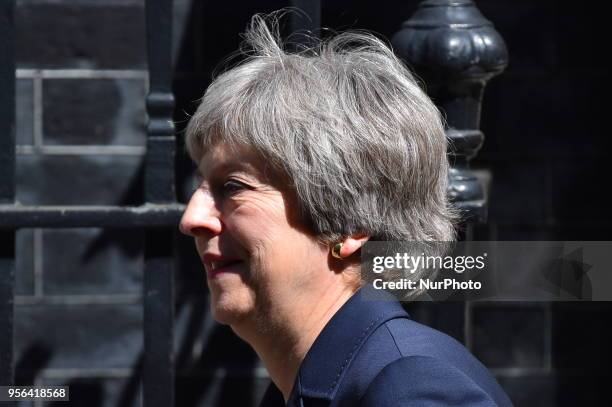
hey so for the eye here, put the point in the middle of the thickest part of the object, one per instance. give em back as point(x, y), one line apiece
point(231, 187)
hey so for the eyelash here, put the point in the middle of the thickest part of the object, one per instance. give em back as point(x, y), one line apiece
point(230, 187)
point(223, 190)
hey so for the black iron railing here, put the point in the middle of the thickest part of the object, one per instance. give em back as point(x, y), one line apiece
point(159, 215)
point(158, 373)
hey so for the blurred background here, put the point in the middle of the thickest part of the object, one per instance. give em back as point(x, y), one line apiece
point(81, 136)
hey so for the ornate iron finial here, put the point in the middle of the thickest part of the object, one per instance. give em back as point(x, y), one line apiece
point(455, 50)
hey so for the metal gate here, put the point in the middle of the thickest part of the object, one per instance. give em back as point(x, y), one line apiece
point(158, 216)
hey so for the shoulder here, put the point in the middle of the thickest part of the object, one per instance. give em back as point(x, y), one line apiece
point(406, 363)
point(424, 381)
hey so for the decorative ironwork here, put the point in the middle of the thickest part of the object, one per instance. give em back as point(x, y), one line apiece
point(456, 51)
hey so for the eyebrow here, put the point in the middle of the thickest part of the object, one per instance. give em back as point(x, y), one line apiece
point(226, 166)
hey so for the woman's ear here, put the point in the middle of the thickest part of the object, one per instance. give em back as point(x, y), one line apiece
point(351, 245)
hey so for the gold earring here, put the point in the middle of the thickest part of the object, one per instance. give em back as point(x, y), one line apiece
point(336, 250)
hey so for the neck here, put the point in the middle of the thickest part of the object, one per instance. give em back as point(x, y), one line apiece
point(283, 334)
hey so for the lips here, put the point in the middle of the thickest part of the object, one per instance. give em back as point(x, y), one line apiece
point(216, 263)
point(223, 267)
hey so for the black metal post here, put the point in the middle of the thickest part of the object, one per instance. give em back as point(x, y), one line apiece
point(456, 51)
point(7, 187)
point(158, 373)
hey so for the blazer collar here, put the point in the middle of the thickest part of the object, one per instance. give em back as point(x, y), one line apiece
point(325, 363)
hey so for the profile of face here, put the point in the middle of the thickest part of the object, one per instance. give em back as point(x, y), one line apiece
point(255, 252)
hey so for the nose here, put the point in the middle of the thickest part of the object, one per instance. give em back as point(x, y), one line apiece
point(201, 215)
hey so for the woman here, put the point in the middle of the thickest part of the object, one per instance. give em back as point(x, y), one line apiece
point(303, 158)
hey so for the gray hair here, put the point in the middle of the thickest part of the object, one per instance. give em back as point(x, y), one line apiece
point(362, 145)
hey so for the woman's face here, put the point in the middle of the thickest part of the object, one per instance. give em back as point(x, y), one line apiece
point(254, 251)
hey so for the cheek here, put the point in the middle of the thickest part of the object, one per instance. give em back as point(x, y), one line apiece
point(273, 245)
point(257, 223)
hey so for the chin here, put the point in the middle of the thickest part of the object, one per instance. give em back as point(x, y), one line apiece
point(229, 309)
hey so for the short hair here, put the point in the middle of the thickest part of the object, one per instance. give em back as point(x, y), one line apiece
point(362, 145)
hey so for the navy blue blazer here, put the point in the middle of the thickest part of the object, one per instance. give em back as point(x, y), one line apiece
point(371, 354)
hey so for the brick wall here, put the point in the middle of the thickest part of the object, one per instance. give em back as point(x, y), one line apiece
point(80, 130)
